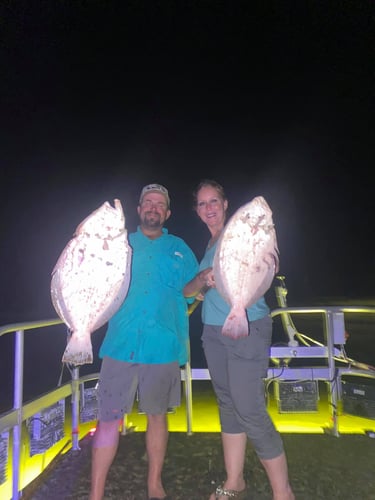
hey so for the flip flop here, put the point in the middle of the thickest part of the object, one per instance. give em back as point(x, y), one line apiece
point(223, 492)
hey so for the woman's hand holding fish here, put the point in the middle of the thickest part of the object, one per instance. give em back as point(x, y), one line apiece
point(199, 284)
point(210, 279)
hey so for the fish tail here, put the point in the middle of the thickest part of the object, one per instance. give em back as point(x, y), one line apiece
point(79, 349)
point(236, 324)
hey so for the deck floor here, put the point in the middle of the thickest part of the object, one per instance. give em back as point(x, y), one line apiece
point(322, 466)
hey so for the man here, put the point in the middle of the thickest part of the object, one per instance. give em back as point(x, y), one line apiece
point(146, 343)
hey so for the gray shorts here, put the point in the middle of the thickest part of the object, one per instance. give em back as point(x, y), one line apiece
point(158, 388)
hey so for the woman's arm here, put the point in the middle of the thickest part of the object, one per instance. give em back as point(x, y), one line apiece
point(202, 279)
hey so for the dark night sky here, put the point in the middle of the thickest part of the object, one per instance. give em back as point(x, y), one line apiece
point(272, 98)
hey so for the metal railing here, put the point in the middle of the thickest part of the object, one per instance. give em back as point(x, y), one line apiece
point(331, 350)
point(14, 418)
point(334, 335)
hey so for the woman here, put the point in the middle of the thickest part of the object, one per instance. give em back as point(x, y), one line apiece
point(237, 367)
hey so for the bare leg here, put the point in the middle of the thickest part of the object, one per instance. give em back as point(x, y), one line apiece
point(277, 472)
point(104, 449)
point(234, 448)
point(156, 446)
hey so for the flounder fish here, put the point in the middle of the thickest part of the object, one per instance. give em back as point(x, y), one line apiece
point(245, 262)
point(91, 278)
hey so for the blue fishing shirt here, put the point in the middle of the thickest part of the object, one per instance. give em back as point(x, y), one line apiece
point(215, 309)
point(152, 324)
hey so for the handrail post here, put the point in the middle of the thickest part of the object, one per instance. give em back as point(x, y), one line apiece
point(75, 408)
point(188, 398)
point(17, 405)
point(329, 335)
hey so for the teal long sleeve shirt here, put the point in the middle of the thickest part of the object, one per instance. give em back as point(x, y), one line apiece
point(152, 324)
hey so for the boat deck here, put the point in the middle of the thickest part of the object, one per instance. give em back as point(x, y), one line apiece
point(321, 466)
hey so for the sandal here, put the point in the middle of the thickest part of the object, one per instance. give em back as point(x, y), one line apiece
point(223, 492)
point(157, 498)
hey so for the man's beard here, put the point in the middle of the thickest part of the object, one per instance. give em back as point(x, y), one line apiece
point(151, 220)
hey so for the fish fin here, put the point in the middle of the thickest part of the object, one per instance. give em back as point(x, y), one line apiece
point(236, 324)
point(79, 349)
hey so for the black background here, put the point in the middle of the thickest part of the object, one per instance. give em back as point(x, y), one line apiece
point(99, 98)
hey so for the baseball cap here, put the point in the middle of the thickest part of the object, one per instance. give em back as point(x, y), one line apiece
point(155, 188)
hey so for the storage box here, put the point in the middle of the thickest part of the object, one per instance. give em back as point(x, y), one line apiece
point(297, 396)
point(89, 405)
point(358, 399)
point(46, 428)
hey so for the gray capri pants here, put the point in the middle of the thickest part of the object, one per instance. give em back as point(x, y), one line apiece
point(237, 368)
point(158, 386)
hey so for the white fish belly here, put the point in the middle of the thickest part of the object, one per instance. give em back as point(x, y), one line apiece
point(89, 283)
point(85, 288)
point(245, 261)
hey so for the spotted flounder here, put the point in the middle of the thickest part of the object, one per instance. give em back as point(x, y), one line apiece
point(245, 262)
point(91, 278)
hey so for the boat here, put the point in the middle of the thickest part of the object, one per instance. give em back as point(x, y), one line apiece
point(312, 386)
